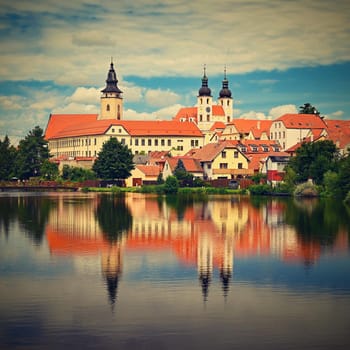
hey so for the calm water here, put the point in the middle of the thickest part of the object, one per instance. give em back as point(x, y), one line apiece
point(97, 271)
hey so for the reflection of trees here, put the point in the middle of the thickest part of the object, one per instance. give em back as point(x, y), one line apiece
point(318, 221)
point(8, 212)
point(33, 214)
point(181, 202)
point(114, 216)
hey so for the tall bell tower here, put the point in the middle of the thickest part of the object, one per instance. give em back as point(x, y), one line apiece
point(111, 99)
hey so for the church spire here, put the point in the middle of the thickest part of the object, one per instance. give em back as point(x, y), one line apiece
point(225, 91)
point(204, 90)
point(112, 81)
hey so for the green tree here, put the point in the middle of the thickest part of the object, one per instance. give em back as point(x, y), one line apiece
point(32, 152)
point(7, 159)
point(171, 185)
point(71, 173)
point(49, 170)
point(184, 177)
point(344, 176)
point(312, 160)
point(115, 161)
point(308, 109)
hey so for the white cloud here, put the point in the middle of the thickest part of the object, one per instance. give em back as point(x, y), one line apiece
point(161, 98)
point(132, 93)
point(85, 95)
point(278, 111)
point(254, 115)
point(11, 102)
point(77, 108)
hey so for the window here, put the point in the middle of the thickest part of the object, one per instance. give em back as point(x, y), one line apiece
point(107, 108)
point(162, 142)
point(200, 117)
point(169, 142)
point(223, 154)
point(240, 166)
point(235, 154)
point(207, 101)
point(284, 134)
point(95, 141)
point(209, 166)
point(196, 143)
point(120, 131)
point(136, 142)
point(180, 148)
point(192, 143)
point(123, 141)
point(156, 142)
point(149, 142)
point(223, 165)
point(142, 142)
point(208, 117)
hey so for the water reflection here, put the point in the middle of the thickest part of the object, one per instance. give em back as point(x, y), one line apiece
point(226, 272)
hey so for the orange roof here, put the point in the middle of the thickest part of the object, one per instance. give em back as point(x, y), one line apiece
point(186, 112)
point(191, 165)
point(339, 132)
point(59, 122)
point(149, 170)
point(302, 121)
point(218, 110)
point(218, 125)
point(70, 125)
point(209, 151)
point(255, 125)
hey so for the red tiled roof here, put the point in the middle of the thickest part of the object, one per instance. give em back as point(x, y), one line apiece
point(218, 110)
point(191, 165)
point(218, 125)
point(69, 125)
point(257, 126)
point(302, 121)
point(149, 170)
point(339, 132)
point(59, 122)
point(186, 112)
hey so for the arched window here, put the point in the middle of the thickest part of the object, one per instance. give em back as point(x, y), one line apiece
point(107, 108)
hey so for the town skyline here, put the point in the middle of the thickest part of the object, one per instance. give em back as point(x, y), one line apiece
point(278, 56)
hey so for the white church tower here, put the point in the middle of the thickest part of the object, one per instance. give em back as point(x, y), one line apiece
point(205, 104)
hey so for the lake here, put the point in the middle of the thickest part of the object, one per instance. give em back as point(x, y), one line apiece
point(100, 271)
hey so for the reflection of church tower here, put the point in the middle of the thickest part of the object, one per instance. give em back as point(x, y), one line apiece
point(205, 264)
point(111, 100)
point(111, 270)
point(226, 267)
point(225, 99)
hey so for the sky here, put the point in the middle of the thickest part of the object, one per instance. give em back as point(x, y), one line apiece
point(55, 56)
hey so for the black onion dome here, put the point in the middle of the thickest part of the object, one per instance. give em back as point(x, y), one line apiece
point(225, 91)
point(112, 81)
point(204, 90)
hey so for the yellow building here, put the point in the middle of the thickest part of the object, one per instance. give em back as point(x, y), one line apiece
point(72, 136)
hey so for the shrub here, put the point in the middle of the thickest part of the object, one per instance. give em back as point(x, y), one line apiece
point(306, 189)
point(260, 189)
point(171, 185)
point(347, 199)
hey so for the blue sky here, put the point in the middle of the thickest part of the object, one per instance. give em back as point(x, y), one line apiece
point(55, 56)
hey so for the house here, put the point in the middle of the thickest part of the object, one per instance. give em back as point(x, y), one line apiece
point(191, 165)
point(339, 132)
point(290, 129)
point(274, 167)
point(247, 129)
point(142, 175)
point(222, 160)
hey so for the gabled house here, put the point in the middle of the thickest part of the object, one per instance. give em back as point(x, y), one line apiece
point(143, 174)
point(247, 129)
point(274, 167)
point(190, 164)
point(290, 129)
point(339, 132)
point(222, 160)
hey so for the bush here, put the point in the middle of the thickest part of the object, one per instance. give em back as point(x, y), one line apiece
point(259, 189)
point(306, 189)
point(171, 185)
point(347, 199)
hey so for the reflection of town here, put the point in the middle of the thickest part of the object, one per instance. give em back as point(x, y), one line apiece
point(207, 235)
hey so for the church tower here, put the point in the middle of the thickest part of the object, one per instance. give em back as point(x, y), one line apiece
point(205, 103)
point(225, 99)
point(111, 99)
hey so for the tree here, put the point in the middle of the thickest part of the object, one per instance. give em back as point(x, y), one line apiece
point(308, 109)
point(171, 185)
point(183, 176)
point(77, 174)
point(313, 160)
point(32, 152)
point(7, 159)
point(115, 161)
point(49, 170)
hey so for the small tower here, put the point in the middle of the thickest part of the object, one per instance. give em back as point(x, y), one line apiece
point(225, 99)
point(111, 99)
point(204, 102)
